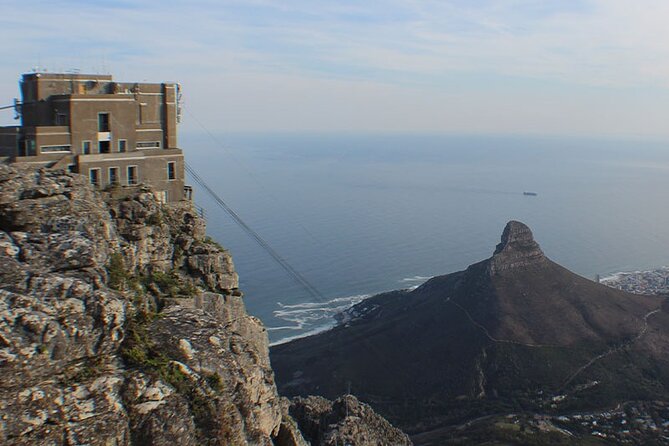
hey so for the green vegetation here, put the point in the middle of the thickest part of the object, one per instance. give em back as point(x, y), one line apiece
point(140, 352)
point(76, 374)
point(215, 382)
point(169, 284)
point(118, 274)
point(92, 369)
point(210, 241)
point(137, 349)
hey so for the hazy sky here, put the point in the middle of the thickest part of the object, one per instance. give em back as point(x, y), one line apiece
point(574, 67)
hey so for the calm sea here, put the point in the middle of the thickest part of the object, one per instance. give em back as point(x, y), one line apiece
point(361, 214)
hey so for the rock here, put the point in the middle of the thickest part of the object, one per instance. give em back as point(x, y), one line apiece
point(289, 432)
point(51, 412)
point(242, 403)
point(213, 267)
point(517, 249)
point(158, 414)
point(343, 421)
point(121, 324)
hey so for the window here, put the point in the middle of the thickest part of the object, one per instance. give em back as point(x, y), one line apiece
point(54, 149)
point(113, 175)
point(86, 147)
point(122, 145)
point(161, 196)
point(148, 144)
point(72, 168)
point(103, 122)
point(31, 147)
point(140, 112)
point(94, 175)
point(132, 175)
point(171, 171)
point(104, 146)
point(61, 119)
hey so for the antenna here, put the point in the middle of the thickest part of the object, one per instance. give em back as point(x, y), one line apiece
point(179, 103)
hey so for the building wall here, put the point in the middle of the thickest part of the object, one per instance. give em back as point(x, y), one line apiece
point(38, 88)
point(60, 112)
point(47, 138)
point(122, 116)
point(9, 139)
point(152, 169)
point(73, 100)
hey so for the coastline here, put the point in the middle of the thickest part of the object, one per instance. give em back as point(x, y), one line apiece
point(318, 317)
point(647, 282)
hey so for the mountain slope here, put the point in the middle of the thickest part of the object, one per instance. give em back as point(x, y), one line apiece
point(511, 332)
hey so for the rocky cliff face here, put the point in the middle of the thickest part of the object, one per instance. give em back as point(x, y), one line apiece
point(516, 250)
point(343, 421)
point(121, 323)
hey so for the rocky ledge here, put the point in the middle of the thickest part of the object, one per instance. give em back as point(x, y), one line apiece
point(121, 324)
point(343, 421)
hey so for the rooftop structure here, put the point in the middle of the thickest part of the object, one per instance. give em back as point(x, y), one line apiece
point(114, 133)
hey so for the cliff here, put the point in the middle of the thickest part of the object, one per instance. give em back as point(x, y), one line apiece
point(121, 324)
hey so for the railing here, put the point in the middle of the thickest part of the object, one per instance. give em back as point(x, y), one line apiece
point(202, 212)
point(188, 192)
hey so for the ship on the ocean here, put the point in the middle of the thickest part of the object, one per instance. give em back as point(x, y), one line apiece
point(531, 194)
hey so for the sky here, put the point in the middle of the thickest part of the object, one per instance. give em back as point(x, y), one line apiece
point(553, 67)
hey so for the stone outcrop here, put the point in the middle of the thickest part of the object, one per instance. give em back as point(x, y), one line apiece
point(343, 421)
point(118, 323)
point(60, 326)
point(121, 324)
point(517, 249)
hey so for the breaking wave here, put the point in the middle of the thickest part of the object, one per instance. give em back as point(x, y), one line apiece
point(415, 281)
point(311, 318)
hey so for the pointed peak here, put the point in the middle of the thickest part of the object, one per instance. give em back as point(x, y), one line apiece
point(515, 234)
point(516, 249)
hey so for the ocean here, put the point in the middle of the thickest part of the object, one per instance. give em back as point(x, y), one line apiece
point(361, 214)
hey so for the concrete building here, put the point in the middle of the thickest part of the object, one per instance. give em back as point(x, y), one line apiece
point(114, 133)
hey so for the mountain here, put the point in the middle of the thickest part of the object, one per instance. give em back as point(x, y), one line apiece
point(513, 333)
point(121, 324)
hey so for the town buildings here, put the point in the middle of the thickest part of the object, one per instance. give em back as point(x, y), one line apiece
point(117, 134)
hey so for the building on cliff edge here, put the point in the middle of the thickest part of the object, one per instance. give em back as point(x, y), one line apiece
point(116, 134)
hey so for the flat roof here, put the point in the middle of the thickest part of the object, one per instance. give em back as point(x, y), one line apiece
point(67, 76)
